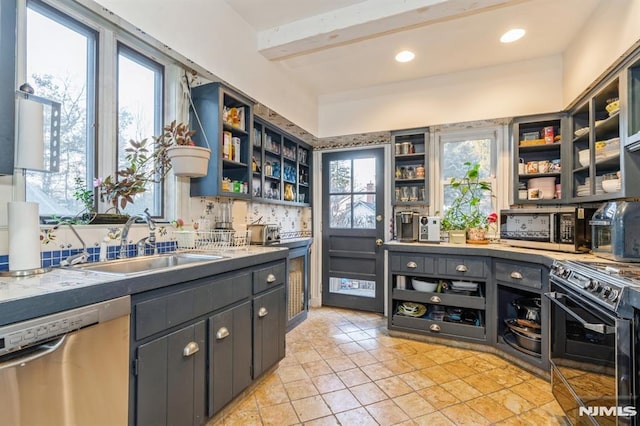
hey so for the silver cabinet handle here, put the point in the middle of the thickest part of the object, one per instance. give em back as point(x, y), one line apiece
point(462, 268)
point(190, 349)
point(271, 278)
point(435, 299)
point(434, 327)
point(262, 312)
point(516, 275)
point(222, 333)
point(412, 265)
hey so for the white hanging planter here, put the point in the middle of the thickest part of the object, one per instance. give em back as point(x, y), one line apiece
point(189, 160)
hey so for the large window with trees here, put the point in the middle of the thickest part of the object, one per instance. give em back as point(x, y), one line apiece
point(61, 65)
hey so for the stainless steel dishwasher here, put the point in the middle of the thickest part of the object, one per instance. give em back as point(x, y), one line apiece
point(68, 368)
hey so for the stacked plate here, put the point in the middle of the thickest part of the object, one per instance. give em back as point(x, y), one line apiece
point(585, 190)
point(411, 309)
point(464, 286)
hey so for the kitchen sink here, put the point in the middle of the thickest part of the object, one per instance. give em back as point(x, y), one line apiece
point(140, 264)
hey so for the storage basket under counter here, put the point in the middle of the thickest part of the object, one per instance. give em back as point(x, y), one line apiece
point(214, 240)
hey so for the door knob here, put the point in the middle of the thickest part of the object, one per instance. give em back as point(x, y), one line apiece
point(379, 218)
point(379, 242)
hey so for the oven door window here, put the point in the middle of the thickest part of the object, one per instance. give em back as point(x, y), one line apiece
point(583, 348)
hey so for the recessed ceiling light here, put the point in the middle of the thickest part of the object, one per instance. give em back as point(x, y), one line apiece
point(405, 56)
point(512, 35)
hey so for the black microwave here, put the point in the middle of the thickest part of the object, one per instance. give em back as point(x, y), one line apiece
point(555, 228)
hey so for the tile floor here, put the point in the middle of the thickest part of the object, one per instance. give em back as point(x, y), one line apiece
point(342, 368)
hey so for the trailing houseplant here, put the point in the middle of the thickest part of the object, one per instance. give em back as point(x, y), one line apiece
point(465, 211)
point(185, 157)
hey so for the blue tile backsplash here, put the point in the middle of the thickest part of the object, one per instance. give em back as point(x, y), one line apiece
point(54, 257)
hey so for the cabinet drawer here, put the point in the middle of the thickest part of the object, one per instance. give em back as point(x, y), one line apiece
point(463, 267)
point(522, 274)
point(163, 312)
point(475, 302)
point(268, 277)
point(442, 328)
point(411, 263)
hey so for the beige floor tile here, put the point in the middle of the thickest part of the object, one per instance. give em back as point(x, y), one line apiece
point(394, 386)
point(368, 393)
point(512, 401)
point(490, 409)
point(439, 374)
point(323, 421)
point(341, 338)
point(438, 397)
point(362, 358)
point(376, 371)
point(279, 415)
point(383, 353)
point(242, 418)
point(398, 366)
point(420, 361)
point(533, 393)
point(353, 377)
point(358, 336)
point(433, 419)
point(311, 408)
point(351, 348)
point(414, 405)
point(417, 380)
point(328, 383)
point(340, 363)
point(462, 415)
point(271, 395)
point(461, 369)
point(369, 344)
point(386, 412)
point(328, 351)
point(359, 417)
point(461, 389)
point(317, 368)
point(291, 373)
point(503, 377)
point(300, 389)
point(483, 383)
point(340, 401)
point(306, 356)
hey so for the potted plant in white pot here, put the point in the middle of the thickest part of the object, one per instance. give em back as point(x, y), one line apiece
point(464, 218)
point(185, 157)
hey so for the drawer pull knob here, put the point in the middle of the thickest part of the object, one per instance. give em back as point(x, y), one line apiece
point(462, 268)
point(434, 327)
point(412, 265)
point(222, 333)
point(262, 312)
point(271, 278)
point(435, 299)
point(190, 349)
point(516, 275)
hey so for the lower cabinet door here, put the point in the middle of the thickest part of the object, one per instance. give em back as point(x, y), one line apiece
point(269, 328)
point(171, 378)
point(229, 355)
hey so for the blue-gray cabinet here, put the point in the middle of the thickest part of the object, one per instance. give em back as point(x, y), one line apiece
point(7, 84)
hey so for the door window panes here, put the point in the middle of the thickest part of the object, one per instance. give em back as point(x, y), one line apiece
point(357, 209)
point(60, 65)
point(139, 116)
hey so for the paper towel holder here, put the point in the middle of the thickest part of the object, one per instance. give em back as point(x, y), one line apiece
point(26, 142)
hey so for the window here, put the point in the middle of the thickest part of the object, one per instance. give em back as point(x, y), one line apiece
point(352, 193)
point(477, 146)
point(140, 83)
point(61, 65)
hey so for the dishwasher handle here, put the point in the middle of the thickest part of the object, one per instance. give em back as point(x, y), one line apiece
point(41, 351)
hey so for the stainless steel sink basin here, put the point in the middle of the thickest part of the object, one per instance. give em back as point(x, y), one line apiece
point(136, 265)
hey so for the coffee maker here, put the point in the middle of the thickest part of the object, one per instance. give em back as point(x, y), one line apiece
point(407, 224)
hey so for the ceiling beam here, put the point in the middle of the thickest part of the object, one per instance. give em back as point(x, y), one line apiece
point(367, 19)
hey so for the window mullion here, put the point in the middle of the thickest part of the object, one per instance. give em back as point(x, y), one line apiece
point(106, 146)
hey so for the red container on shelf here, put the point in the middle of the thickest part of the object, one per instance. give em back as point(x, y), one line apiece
point(548, 134)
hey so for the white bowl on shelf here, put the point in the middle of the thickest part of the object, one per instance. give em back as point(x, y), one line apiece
point(611, 185)
point(583, 157)
point(423, 285)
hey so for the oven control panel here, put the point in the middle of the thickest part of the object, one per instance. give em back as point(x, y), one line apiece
point(605, 290)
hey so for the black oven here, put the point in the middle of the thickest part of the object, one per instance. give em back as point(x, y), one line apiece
point(592, 364)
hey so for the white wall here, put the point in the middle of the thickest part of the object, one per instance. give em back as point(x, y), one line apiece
point(214, 36)
point(610, 31)
point(533, 86)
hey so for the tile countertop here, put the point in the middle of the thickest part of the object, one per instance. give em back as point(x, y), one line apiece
point(22, 298)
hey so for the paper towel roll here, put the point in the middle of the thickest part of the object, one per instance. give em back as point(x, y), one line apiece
point(30, 149)
point(24, 235)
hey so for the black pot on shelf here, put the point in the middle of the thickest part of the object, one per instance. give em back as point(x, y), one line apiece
point(528, 309)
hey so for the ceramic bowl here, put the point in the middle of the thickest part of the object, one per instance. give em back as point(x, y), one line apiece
point(611, 185)
point(423, 285)
point(583, 157)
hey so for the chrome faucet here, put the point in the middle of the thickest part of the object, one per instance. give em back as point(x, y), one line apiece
point(81, 257)
point(151, 239)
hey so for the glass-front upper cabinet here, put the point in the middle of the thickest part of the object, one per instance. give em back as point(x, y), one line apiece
point(595, 149)
point(410, 178)
point(537, 160)
point(633, 106)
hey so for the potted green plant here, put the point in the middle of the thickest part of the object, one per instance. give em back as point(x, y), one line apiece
point(464, 218)
point(185, 157)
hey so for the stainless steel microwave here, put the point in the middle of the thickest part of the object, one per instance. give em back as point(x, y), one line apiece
point(554, 228)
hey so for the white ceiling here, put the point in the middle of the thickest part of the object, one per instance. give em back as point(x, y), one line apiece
point(339, 45)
